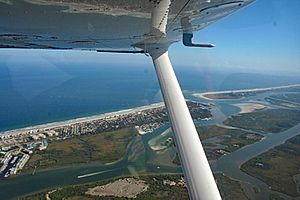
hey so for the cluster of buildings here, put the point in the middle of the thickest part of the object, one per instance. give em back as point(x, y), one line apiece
point(148, 128)
point(180, 182)
point(14, 158)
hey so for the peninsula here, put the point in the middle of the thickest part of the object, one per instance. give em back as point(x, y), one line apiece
point(238, 94)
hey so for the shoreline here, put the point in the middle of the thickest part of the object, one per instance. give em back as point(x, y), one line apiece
point(203, 94)
point(56, 124)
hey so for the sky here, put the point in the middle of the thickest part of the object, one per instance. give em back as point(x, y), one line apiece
point(263, 37)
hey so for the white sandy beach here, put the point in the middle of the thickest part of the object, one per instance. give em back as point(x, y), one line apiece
point(81, 119)
point(249, 107)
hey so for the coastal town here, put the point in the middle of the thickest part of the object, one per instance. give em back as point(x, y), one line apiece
point(16, 147)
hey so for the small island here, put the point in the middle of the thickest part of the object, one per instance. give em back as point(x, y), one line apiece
point(147, 186)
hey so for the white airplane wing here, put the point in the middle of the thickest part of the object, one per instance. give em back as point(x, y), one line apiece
point(127, 26)
point(102, 25)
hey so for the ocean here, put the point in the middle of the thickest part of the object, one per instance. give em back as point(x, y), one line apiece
point(32, 94)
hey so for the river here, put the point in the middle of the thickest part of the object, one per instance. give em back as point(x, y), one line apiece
point(230, 164)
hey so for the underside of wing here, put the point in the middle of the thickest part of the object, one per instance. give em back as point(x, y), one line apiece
point(115, 25)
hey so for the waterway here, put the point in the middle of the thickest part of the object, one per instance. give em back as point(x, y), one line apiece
point(140, 158)
point(230, 164)
point(136, 161)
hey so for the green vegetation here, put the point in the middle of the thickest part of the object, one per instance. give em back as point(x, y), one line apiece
point(232, 138)
point(206, 132)
point(272, 120)
point(103, 147)
point(223, 96)
point(291, 97)
point(39, 196)
point(277, 166)
point(238, 139)
point(275, 197)
point(288, 100)
point(230, 189)
point(156, 190)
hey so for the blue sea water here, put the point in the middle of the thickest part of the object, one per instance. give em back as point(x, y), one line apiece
point(30, 95)
point(37, 93)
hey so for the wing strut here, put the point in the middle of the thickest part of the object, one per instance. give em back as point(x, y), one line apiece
point(198, 175)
